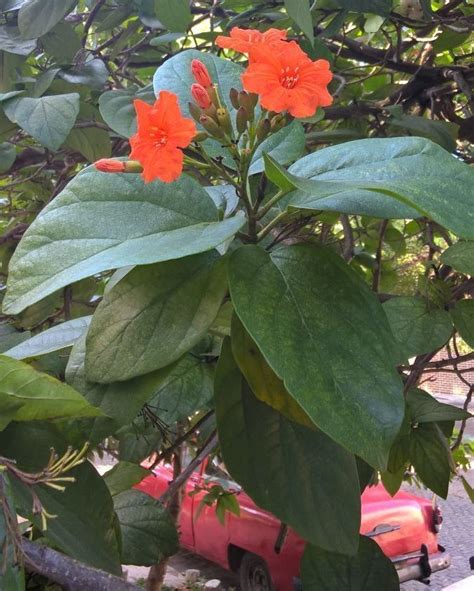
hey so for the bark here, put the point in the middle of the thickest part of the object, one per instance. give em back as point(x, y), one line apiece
point(69, 573)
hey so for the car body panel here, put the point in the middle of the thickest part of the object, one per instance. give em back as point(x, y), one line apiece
point(401, 525)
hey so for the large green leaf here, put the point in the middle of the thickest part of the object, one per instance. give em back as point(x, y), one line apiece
point(38, 396)
point(175, 75)
point(116, 107)
point(418, 326)
point(7, 156)
point(148, 532)
point(11, 41)
point(368, 570)
point(430, 456)
point(84, 526)
point(123, 476)
point(187, 388)
point(298, 474)
point(92, 143)
point(300, 12)
point(37, 17)
point(426, 409)
point(443, 133)
point(119, 402)
point(55, 338)
point(460, 256)
point(48, 119)
point(263, 381)
point(284, 146)
point(153, 316)
point(342, 372)
point(401, 177)
point(102, 221)
point(463, 318)
point(175, 15)
point(12, 575)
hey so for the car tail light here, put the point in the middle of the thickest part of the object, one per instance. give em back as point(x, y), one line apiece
point(437, 518)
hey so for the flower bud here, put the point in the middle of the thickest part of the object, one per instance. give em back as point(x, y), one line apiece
point(211, 126)
point(110, 165)
point(278, 122)
point(200, 95)
point(242, 119)
point(195, 111)
point(246, 100)
point(114, 166)
point(200, 136)
point(263, 129)
point(234, 98)
point(201, 73)
point(212, 91)
point(223, 118)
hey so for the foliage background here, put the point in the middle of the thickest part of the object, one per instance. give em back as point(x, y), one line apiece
point(68, 74)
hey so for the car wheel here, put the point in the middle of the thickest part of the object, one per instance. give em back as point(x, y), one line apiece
point(254, 574)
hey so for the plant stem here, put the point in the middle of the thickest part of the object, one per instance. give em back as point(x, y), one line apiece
point(269, 227)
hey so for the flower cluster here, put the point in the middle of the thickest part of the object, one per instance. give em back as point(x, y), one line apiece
point(280, 75)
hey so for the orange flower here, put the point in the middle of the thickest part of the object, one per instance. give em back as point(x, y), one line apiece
point(200, 96)
point(243, 40)
point(201, 73)
point(162, 131)
point(288, 80)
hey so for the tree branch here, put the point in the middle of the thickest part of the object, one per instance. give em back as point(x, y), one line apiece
point(71, 574)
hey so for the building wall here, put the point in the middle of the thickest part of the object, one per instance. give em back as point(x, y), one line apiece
point(438, 382)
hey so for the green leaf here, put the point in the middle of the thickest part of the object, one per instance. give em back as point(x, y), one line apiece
point(153, 316)
point(102, 221)
point(119, 402)
point(460, 256)
point(54, 339)
point(117, 110)
point(265, 384)
point(175, 75)
point(426, 409)
point(300, 12)
point(298, 474)
point(148, 532)
point(288, 297)
point(392, 481)
point(37, 17)
point(92, 143)
point(10, 337)
point(11, 41)
point(463, 318)
point(328, 571)
point(175, 15)
point(401, 177)
point(418, 326)
point(7, 156)
point(48, 119)
point(187, 388)
point(443, 133)
point(123, 476)
point(430, 456)
point(12, 575)
point(286, 145)
point(84, 526)
point(92, 73)
point(40, 395)
point(468, 488)
point(62, 42)
point(382, 7)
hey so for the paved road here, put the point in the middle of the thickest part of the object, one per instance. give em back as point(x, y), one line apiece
point(457, 536)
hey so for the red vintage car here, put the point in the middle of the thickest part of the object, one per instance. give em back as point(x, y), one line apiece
point(405, 527)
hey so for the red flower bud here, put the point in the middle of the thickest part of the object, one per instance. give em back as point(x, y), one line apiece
point(110, 165)
point(200, 96)
point(201, 73)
